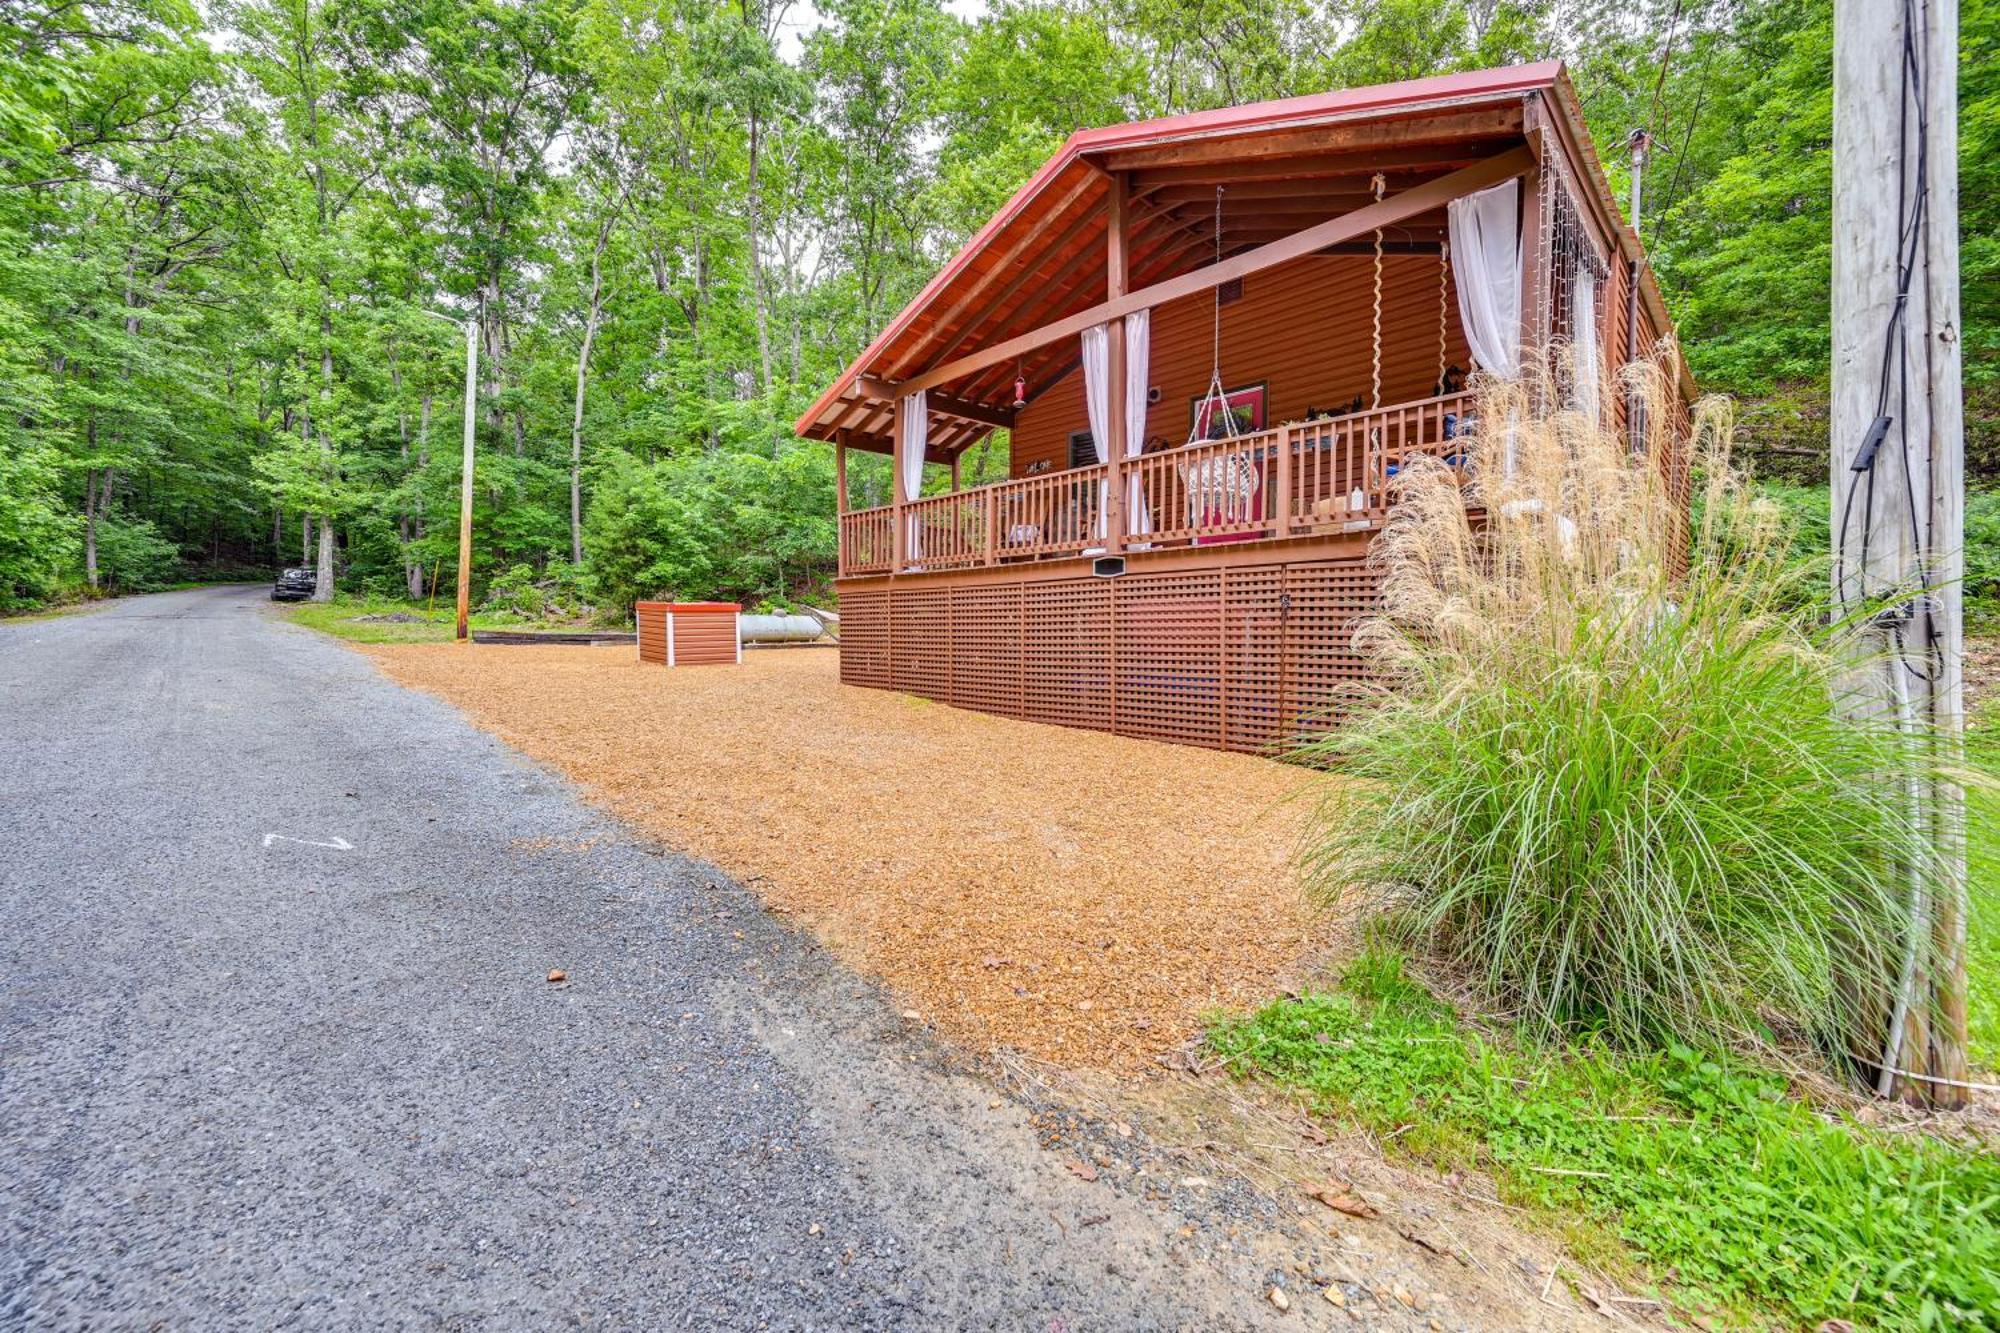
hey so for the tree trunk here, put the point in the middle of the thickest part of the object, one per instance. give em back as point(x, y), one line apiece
point(323, 580)
point(594, 313)
point(416, 570)
point(323, 585)
point(410, 567)
point(90, 527)
point(756, 262)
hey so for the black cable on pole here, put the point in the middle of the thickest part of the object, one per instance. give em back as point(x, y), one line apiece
point(1912, 211)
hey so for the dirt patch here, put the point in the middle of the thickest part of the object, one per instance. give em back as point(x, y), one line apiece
point(1982, 675)
point(1080, 897)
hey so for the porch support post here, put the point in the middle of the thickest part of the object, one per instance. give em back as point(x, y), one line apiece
point(1117, 279)
point(1531, 255)
point(954, 470)
point(899, 539)
point(840, 470)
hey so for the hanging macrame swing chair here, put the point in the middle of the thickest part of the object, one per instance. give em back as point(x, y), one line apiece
point(1224, 488)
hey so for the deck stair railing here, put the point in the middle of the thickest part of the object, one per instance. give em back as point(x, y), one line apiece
point(1335, 474)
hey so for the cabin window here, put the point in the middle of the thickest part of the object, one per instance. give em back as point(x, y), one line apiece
point(1082, 449)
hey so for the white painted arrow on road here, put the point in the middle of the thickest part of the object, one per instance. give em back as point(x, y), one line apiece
point(337, 844)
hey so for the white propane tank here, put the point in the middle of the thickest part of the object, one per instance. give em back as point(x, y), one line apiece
point(778, 629)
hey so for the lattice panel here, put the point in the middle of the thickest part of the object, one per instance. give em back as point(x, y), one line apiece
point(1254, 622)
point(1168, 659)
point(864, 638)
point(1321, 666)
point(986, 649)
point(920, 642)
point(1066, 626)
point(1250, 657)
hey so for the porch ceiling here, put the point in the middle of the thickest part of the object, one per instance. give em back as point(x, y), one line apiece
point(1282, 166)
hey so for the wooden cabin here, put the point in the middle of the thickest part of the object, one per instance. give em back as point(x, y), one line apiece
point(1212, 338)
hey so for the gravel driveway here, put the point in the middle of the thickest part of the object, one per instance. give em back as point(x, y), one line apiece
point(277, 1047)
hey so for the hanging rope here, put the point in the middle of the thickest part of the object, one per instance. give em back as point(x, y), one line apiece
point(1215, 399)
point(1444, 277)
point(1375, 379)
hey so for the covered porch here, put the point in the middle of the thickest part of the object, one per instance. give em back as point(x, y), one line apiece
point(1228, 327)
point(1330, 475)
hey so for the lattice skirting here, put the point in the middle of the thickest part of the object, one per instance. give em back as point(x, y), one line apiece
point(1249, 657)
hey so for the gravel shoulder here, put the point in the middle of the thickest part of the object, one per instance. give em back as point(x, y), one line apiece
point(1081, 898)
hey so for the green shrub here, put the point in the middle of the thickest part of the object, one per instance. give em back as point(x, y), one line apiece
point(1617, 799)
point(132, 556)
point(514, 591)
point(1701, 1166)
point(38, 539)
point(1807, 519)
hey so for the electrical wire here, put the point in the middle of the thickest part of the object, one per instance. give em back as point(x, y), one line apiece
point(1666, 59)
point(1893, 381)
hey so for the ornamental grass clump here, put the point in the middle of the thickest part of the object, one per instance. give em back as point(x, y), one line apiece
point(1604, 778)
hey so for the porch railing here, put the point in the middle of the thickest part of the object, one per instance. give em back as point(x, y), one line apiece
point(1335, 474)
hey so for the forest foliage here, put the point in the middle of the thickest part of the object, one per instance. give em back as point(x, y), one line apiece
point(237, 243)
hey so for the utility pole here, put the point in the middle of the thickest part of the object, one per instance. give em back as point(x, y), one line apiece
point(1898, 468)
point(465, 479)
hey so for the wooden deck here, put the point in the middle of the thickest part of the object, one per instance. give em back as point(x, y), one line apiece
point(1306, 480)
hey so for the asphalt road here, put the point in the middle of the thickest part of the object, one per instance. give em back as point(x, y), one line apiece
point(277, 1047)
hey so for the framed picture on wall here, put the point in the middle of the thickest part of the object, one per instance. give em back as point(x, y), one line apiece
point(1240, 413)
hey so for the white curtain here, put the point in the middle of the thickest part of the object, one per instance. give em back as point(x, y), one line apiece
point(916, 429)
point(1138, 356)
point(1583, 338)
point(1486, 261)
point(1097, 404)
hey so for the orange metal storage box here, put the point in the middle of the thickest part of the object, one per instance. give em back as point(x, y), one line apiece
point(688, 633)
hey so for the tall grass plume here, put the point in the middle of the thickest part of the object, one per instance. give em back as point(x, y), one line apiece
point(1605, 776)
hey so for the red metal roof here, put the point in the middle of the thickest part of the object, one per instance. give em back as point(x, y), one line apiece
point(1041, 205)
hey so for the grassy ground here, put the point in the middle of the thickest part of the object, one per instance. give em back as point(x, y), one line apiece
point(1747, 1200)
point(364, 619)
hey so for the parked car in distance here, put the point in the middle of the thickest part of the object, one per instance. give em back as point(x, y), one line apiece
point(294, 585)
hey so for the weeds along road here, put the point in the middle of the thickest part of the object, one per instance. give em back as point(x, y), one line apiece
point(277, 1047)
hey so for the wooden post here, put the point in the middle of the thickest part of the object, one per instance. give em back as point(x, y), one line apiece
point(954, 470)
point(840, 471)
point(1117, 280)
point(1283, 481)
point(1876, 115)
point(1531, 257)
point(465, 480)
point(898, 538)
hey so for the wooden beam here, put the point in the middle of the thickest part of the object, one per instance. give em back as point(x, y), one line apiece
point(1019, 281)
point(1486, 122)
point(1395, 208)
point(1029, 236)
point(943, 405)
point(1165, 243)
point(840, 471)
point(1340, 164)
